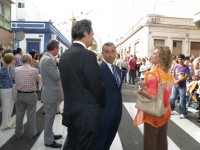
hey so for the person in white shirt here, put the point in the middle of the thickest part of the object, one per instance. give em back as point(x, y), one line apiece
point(118, 61)
point(143, 69)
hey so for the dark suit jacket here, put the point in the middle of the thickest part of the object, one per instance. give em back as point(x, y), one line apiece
point(113, 107)
point(84, 91)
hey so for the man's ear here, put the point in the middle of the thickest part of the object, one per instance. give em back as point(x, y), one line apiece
point(85, 34)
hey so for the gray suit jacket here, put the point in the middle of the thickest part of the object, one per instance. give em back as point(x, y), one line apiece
point(51, 83)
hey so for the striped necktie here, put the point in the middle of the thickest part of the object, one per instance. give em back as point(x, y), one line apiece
point(116, 75)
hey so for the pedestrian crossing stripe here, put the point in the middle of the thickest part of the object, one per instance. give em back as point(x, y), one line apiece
point(58, 128)
point(130, 107)
point(8, 133)
point(184, 124)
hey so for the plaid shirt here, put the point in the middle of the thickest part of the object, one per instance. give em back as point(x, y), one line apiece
point(27, 78)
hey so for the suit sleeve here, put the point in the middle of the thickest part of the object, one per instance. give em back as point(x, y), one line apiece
point(52, 70)
point(92, 75)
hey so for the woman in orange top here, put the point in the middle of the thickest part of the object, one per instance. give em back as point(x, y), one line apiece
point(155, 128)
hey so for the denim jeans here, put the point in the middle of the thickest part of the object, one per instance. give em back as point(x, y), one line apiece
point(124, 72)
point(181, 91)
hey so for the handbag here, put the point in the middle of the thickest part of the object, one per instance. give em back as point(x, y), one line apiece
point(14, 91)
point(153, 107)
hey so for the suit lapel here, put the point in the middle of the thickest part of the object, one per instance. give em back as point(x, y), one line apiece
point(109, 73)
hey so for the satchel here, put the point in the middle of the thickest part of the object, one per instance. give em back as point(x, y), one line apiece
point(153, 107)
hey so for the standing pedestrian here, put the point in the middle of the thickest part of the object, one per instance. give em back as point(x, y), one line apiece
point(111, 113)
point(26, 79)
point(181, 73)
point(51, 92)
point(6, 82)
point(155, 128)
point(83, 88)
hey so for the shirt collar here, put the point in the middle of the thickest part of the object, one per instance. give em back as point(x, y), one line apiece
point(50, 55)
point(27, 65)
point(109, 65)
point(79, 42)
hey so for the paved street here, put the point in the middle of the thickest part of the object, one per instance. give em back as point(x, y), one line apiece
point(183, 134)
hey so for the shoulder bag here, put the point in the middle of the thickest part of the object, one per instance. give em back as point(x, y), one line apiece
point(153, 107)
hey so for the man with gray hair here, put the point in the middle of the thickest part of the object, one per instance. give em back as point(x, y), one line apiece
point(26, 80)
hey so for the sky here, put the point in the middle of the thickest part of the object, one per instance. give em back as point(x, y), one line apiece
point(111, 19)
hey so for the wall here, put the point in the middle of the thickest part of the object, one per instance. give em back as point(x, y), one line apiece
point(22, 44)
point(166, 28)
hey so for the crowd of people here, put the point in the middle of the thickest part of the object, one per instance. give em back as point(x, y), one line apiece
point(91, 90)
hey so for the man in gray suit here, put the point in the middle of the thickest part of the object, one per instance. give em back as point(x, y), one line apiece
point(51, 92)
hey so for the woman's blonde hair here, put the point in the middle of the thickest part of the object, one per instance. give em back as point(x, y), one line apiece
point(125, 58)
point(165, 57)
point(8, 58)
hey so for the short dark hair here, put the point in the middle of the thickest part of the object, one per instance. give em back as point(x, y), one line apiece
point(18, 50)
point(80, 27)
point(107, 44)
point(52, 44)
point(1, 48)
point(32, 53)
point(181, 56)
point(187, 57)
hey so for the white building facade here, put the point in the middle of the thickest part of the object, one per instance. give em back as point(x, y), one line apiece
point(180, 34)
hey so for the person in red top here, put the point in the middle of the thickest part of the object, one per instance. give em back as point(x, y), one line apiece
point(132, 72)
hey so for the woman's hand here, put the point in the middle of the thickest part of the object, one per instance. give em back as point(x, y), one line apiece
point(142, 84)
point(139, 91)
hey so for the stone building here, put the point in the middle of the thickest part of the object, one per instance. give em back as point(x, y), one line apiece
point(5, 24)
point(180, 34)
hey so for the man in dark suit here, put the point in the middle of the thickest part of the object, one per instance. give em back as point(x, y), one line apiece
point(84, 91)
point(111, 113)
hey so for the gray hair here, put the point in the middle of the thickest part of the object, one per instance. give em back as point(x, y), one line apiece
point(26, 58)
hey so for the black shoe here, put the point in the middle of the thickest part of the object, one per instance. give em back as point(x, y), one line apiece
point(56, 137)
point(54, 145)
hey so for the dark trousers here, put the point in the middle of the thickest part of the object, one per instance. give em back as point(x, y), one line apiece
point(132, 76)
point(124, 72)
point(108, 130)
point(155, 138)
point(78, 139)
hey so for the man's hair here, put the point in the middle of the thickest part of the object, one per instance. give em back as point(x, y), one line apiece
point(107, 44)
point(80, 27)
point(32, 53)
point(187, 57)
point(52, 44)
point(18, 50)
point(8, 51)
point(181, 56)
point(1, 48)
point(8, 57)
point(26, 58)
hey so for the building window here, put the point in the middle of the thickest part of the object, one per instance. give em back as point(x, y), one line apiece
point(159, 42)
point(1, 8)
point(177, 47)
point(21, 5)
point(195, 49)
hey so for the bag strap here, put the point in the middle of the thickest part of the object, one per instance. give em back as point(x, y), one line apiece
point(157, 77)
point(10, 75)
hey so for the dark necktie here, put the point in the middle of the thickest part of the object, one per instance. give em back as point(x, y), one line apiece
point(116, 75)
